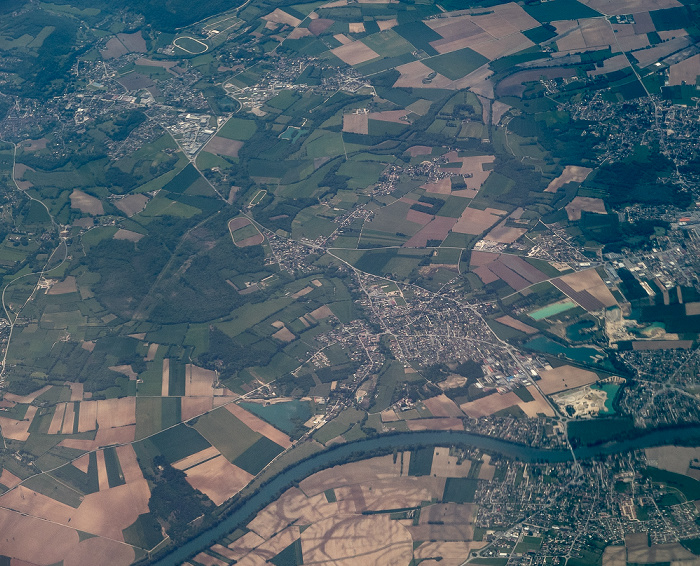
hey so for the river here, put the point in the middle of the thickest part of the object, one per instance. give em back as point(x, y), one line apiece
point(340, 454)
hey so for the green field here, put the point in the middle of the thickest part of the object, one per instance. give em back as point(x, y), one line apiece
point(228, 434)
point(460, 490)
point(238, 129)
point(457, 64)
point(257, 456)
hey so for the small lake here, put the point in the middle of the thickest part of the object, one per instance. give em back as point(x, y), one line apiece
point(551, 310)
point(581, 354)
point(577, 332)
point(611, 390)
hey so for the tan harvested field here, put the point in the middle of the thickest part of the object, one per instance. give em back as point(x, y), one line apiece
point(194, 406)
point(442, 532)
point(487, 470)
point(126, 370)
point(259, 425)
point(218, 479)
point(151, 354)
point(388, 493)
point(104, 437)
point(129, 464)
point(57, 419)
point(685, 71)
point(199, 382)
point(209, 560)
point(356, 123)
point(354, 53)
point(342, 38)
point(113, 413)
point(68, 285)
point(18, 430)
point(8, 479)
point(305, 291)
point(672, 34)
point(446, 466)
point(498, 109)
point(565, 377)
point(352, 473)
point(439, 423)
point(441, 186)
point(292, 506)
point(506, 19)
point(102, 471)
point(281, 17)
point(298, 33)
point(579, 204)
point(589, 280)
point(387, 24)
point(416, 150)
point(571, 174)
point(389, 416)
point(356, 27)
point(27, 399)
point(348, 540)
point(503, 46)
point(475, 221)
point(395, 116)
point(196, 458)
point(490, 404)
point(38, 542)
point(673, 458)
point(650, 56)
point(449, 513)
point(132, 204)
point(273, 546)
point(615, 556)
point(86, 203)
point(284, 335)
point(224, 146)
point(129, 235)
point(68, 419)
point(538, 406)
point(165, 378)
point(505, 234)
point(87, 416)
point(244, 545)
point(518, 325)
point(321, 313)
point(443, 406)
point(104, 513)
point(638, 551)
point(412, 75)
point(224, 551)
point(451, 553)
point(597, 33)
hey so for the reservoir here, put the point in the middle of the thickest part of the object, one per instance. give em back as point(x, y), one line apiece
point(340, 454)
